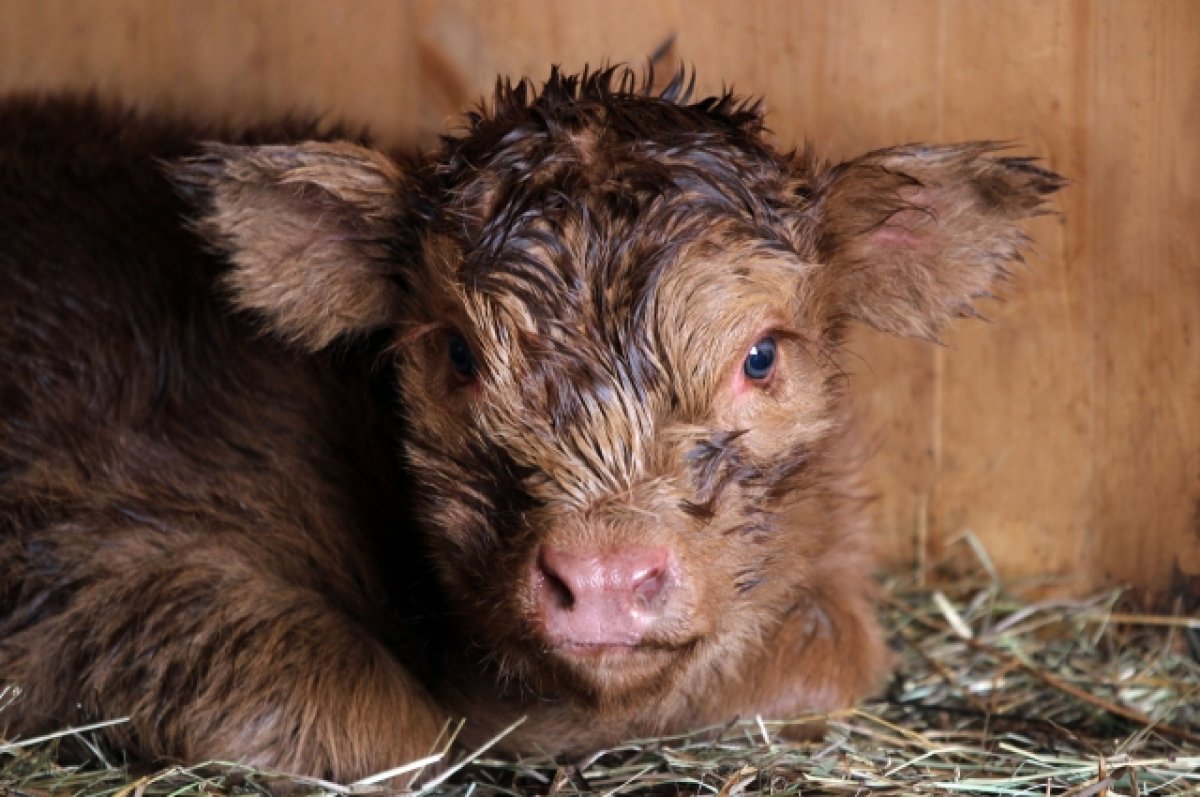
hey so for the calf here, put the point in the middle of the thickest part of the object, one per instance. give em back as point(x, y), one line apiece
point(546, 423)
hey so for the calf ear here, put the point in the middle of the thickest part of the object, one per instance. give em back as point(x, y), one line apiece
point(306, 228)
point(911, 235)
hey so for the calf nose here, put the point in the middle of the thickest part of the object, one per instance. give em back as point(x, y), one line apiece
point(587, 597)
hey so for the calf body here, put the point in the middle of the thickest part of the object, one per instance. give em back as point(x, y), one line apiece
point(304, 451)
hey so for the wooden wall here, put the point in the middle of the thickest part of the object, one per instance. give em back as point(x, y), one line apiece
point(1065, 434)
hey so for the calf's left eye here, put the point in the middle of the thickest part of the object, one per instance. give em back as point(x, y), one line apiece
point(760, 362)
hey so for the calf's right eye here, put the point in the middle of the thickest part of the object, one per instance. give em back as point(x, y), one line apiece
point(462, 359)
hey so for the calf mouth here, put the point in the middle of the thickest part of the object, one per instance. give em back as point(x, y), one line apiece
point(620, 651)
point(616, 673)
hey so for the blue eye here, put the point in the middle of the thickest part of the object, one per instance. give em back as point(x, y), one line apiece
point(761, 359)
point(461, 357)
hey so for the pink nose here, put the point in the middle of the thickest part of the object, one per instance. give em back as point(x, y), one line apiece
point(587, 597)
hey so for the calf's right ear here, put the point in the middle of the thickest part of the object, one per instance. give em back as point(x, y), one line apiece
point(306, 228)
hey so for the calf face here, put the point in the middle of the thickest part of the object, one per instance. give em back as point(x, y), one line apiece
point(615, 320)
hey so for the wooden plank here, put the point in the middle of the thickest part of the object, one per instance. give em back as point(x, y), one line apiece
point(1143, 177)
point(1014, 461)
point(224, 59)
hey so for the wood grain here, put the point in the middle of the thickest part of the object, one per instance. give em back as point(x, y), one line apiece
point(1065, 433)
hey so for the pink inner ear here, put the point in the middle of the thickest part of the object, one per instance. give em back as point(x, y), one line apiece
point(913, 227)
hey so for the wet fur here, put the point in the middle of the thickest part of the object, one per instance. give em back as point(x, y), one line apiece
point(246, 500)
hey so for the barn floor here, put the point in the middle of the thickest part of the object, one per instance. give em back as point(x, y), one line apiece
point(992, 695)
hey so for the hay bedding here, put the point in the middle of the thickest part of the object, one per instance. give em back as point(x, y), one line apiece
point(992, 695)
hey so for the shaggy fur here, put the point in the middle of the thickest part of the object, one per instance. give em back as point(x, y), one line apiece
point(300, 493)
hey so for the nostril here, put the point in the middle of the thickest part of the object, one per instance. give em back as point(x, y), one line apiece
point(554, 590)
point(649, 589)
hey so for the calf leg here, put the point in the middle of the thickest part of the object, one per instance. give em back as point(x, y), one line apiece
point(208, 652)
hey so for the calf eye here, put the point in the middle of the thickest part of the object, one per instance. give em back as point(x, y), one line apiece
point(761, 359)
point(461, 357)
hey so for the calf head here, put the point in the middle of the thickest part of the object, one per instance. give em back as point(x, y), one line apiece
point(616, 318)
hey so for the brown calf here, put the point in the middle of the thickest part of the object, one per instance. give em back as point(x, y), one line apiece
point(546, 423)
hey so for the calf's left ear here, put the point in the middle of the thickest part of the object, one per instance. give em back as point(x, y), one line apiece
point(306, 228)
point(910, 236)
